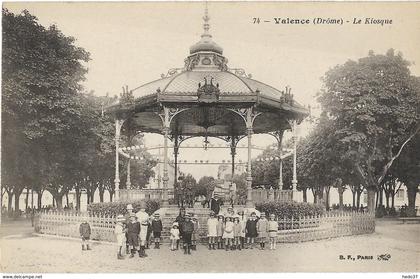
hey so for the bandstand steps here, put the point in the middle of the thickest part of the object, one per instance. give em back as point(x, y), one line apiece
point(169, 214)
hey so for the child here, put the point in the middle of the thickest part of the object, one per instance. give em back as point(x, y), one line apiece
point(237, 232)
point(143, 219)
point(242, 221)
point(187, 230)
point(127, 220)
point(228, 233)
point(212, 231)
point(262, 229)
point(157, 229)
point(195, 234)
point(174, 236)
point(220, 228)
point(120, 235)
point(273, 228)
point(85, 232)
point(251, 230)
point(133, 230)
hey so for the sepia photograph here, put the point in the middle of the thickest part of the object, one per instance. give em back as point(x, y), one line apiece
point(210, 137)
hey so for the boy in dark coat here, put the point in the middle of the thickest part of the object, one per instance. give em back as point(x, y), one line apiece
point(85, 232)
point(127, 220)
point(251, 230)
point(156, 229)
point(180, 220)
point(133, 230)
point(187, 231)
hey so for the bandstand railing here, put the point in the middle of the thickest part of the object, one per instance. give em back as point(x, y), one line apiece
point(143, 194)
point(262, 195)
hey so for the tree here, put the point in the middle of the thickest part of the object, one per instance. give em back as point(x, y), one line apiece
point(42, 70)
point(406, 169)
point(372, 104)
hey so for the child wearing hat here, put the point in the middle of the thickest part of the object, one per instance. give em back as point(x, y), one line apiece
point(187, 230)
point(133, 230)
point(85, 232)
point(273, 228)
point(119, 232)
point(174, 235)
point(212, 231)
point(195, 234)
point(143, 219)
point(237, 232)
point(220, 227)
point(262, 229)
point(251, 230)
point(157, 229)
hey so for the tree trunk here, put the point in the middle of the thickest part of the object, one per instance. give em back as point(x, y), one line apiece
point(59, 201)
point(39, 198)
point(411, 193)
point(53, 201)
point(387, 198)
point(17, 199)
point(358, 199)
point(315, 197)
point(327, 197)
point(9, 201)
point(305, 199)
point(377, 199)
point(67, 200)
point(354, 198)
point(340, 198)
point(101, 195)
point(381, 196)
point(77, 198)
point(392, 199)
point(27, 199)
point(111, 195)
point(371, 200)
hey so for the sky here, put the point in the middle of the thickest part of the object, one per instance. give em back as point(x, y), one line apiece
point(132, 43)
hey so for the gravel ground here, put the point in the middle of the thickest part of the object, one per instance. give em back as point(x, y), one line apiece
point(29, 253)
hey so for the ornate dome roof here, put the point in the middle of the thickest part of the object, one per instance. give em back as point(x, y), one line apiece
point(208, 91)
point(206, 43)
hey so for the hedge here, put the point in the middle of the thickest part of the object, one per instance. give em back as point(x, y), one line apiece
point(120, 207)
point(290, 209)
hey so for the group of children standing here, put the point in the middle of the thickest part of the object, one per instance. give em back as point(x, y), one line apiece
point(234, 232)
point(229, 231)
point(134, 231)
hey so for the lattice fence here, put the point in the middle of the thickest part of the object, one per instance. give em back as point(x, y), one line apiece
point(67, 224)
point(329, 225)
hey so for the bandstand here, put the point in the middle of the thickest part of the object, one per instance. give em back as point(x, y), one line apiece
point(206, 99)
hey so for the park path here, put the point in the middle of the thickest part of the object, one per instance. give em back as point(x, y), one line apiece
point(23, 253)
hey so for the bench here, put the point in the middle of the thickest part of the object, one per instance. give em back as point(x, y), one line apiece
point(409, 219)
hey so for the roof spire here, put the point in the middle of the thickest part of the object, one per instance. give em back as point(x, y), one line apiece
point(206, 43)
point(206, 24)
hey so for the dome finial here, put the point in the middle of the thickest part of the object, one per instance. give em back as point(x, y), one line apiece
point(206, 24)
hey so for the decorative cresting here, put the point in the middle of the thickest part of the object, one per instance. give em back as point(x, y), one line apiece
point(208, 92)
point(206, 54)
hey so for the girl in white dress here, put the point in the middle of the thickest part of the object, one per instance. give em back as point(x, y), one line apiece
point(228, 234)
point(212, 231)
point(174, 235)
